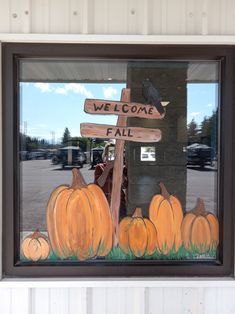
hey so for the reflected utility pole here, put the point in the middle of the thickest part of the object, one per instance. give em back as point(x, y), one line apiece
point(24, 141)
point(53, 138)
point(25, 128)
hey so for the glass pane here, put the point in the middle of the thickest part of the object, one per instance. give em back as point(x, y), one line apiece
point(118, 160)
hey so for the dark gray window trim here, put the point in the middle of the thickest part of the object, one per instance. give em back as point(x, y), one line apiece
point(11, 267)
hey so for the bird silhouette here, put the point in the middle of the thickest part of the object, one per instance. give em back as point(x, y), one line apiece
point(151, 95)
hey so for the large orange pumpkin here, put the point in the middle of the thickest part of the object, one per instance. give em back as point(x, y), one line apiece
point(200, 228)
point(79, 220)
point(166, 214)
point(137, 234)
point(35, 247)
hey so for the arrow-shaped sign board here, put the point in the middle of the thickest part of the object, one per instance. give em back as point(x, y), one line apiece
point(96, 106)
point(134, 134)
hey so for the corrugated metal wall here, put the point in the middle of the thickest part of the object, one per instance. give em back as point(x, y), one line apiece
point(117, 301)
point(153, 17)
point(158, 17)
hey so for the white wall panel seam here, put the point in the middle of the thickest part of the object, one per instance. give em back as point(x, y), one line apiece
point(69, 306)
point(126, 6)
point(146, 300)
point(10, 305)
point(98, 300)
point(204, 18)
point(49, 16)
point(21, 301)
point(49, 300)
point(183, 18)
point(11, 15)
point(85, 299)
point(146, 17)
point(38, 306)
point(4, 16)
point(189, 300)
point(75, 16)
point(139, 300)
point(219, 300)
point(223, 16)
point(20, 16)
point(59, 300)
point(5, 301)
point(164, 17)
point(77, 301)
point(1, 237)
point(85, 16)
point(40, 16)
point(154, 300)
point(69, 16)
point(106, 19)
point(190, 25)
point(26, 14)
point(89, 301)
point(210, 301)
point(131, 11)
point(30, 298)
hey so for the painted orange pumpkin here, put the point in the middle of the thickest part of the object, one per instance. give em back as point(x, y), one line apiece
point(79, 220)
point(200, 228)
point(137, 234)
point(35, 247)
point(166, 214)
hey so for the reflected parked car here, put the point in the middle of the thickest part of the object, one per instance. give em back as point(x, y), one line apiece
point(24, 155)
point(69, 156)
point(37, 154)
point(199, 154)
point(96, 156)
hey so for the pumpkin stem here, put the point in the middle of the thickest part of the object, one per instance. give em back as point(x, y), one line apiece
point(164, 191)
point(35, 234)
point(199, 208)
point(137, 212)
point(78, 180)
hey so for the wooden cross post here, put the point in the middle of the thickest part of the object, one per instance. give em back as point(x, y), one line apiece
point(118, 170)
point(121, 132)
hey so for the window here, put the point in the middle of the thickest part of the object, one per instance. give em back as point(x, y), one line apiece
point(117, 157)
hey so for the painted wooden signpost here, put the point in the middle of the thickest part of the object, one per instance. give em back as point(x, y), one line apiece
point(121, 133)
point(122, 108)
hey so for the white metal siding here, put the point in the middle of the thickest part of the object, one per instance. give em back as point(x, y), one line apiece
point(122, 17)
point(153, 17)
point(117, 301)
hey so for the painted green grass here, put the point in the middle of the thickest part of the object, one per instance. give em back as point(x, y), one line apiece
point(116, 254)
point(182, 254)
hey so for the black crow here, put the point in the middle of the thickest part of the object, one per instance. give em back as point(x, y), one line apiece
point(151, 95)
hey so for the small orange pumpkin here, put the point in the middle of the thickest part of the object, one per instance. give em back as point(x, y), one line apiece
point(166, 214)
point(35, 247)
point(200, 228)
point(79, 220)
point(137, 234)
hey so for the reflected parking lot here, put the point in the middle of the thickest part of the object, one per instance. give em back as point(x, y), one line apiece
point(40, 177)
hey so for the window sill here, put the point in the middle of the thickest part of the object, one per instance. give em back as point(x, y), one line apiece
point(117, 283)
point(120, 39)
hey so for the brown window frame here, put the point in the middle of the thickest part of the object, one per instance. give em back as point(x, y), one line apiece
point(11, 52)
